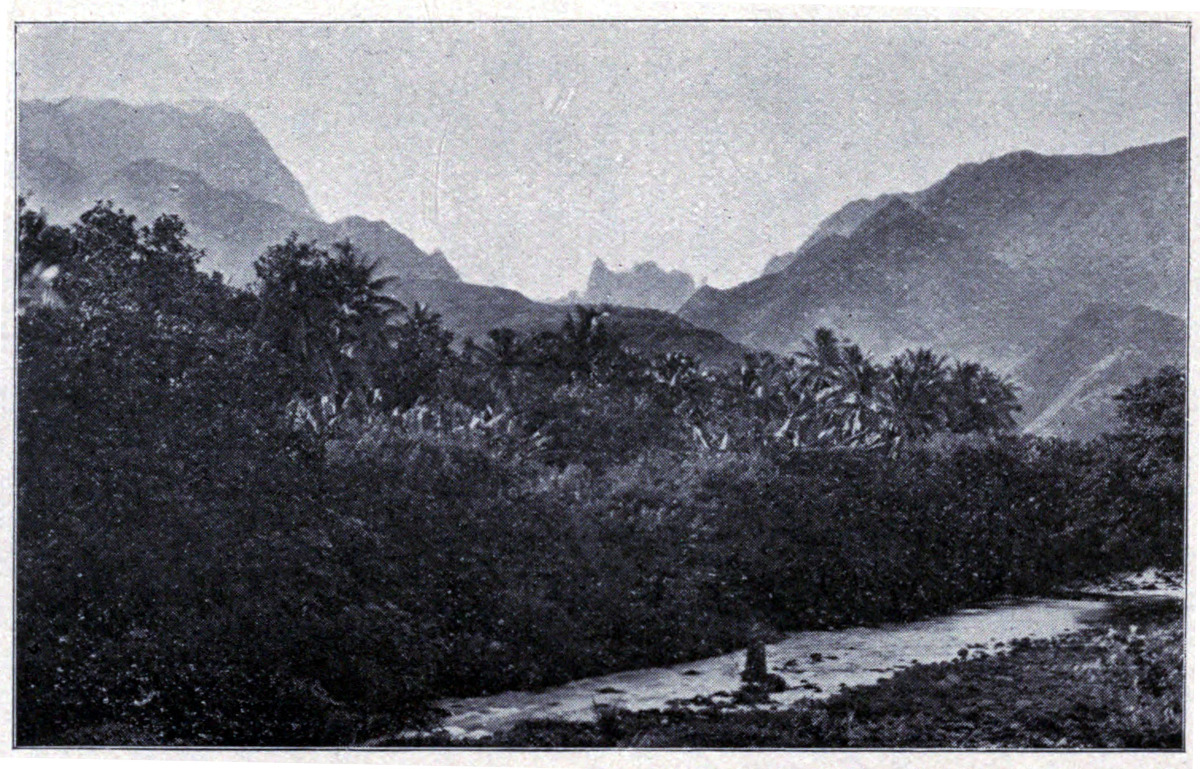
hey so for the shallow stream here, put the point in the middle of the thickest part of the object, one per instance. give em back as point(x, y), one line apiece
point(814, 663)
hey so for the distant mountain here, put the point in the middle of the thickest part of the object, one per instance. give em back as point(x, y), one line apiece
point(472, 311)
point(54, 183)
point(1114, 225)
point(986, 264)
point(235, 227)
point(1070, 381)
point(646, 285)
point(99, 137)
point(210, 166)
point(902, 279)
point(232, 226)
point(842, 222)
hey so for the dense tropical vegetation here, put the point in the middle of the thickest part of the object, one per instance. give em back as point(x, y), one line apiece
point(300, 513)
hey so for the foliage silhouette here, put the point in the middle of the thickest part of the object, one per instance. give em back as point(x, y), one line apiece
point(298, 516)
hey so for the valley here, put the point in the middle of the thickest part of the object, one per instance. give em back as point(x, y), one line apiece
point(294, 482)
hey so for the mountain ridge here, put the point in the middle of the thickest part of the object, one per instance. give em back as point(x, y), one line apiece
point(1021, 208)
point(987, 264)
point(471, 311)
point(234, 219)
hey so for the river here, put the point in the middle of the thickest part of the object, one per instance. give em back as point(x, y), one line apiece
point(814, 663)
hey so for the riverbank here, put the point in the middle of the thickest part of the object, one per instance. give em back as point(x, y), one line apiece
point(812, 664)
point(1146, 583)
point(1116, 683)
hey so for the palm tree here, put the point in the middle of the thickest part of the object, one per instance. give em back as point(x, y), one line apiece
point(853, 402)
point(585, 340)
point(979, 400)
point(326, 314)
point(836, 393)
point(916, 392)
point(505, 349)
point(820, 360)
point(419, 349)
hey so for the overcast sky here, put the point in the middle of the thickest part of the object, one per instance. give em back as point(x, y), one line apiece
point(526, 151)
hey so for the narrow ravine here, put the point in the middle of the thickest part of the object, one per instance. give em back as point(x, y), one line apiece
point(815, 664)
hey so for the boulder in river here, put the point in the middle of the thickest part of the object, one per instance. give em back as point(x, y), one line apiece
point(757, 679)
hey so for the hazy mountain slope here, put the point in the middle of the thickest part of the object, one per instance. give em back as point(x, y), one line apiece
point(209, 166)
point(52, 183)
point(842, 222)
point(901, 280)
point(396, 253)
point(235, 228)
point(1114, 226)
point(471, 311)
point(988, 264)
point(645, 285)
point(1069, 381)
point(101, 137)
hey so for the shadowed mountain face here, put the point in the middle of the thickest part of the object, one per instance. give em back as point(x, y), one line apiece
point(1114, 225)
point(888, 287)
point(1070, 380)
point(987, 264)
point(235, 228)
point(843, 222)
point(211, 167)
point(646, 285)
point(471, 311)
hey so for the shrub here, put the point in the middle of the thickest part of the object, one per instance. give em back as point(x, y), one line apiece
point(201, 563)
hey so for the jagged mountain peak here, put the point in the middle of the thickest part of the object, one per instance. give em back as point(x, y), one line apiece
point(645, 285)
point(471, 311)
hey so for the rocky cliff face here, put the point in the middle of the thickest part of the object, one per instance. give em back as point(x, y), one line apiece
point(208, 165)
point(100, 137)
point(646, 285)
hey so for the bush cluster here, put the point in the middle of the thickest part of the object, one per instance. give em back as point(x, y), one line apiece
point(297, 516)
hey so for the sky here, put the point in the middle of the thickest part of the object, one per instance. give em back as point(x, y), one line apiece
point(526, 151)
